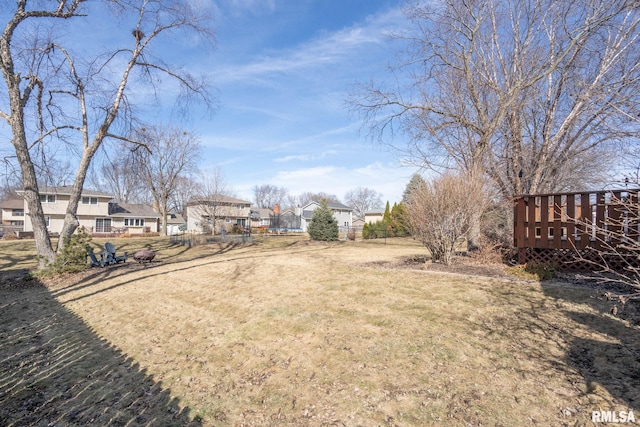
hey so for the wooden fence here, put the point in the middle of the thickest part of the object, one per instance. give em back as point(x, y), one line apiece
point(574, 230)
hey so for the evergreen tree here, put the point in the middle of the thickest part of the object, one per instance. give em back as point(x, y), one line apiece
point(73, 256)
point(386, 217)
point(365, 231)
point(415, 182)
point(323, 225)
point(399, 220)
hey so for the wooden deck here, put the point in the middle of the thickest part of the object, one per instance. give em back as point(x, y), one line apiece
point(562, 228)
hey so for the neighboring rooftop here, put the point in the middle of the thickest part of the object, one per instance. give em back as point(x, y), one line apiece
point(220, 198)
point(12, 204)
point(132, 210)
point(67, 189)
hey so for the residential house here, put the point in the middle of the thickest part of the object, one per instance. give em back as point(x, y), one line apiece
point(12, 216)
point(176, 224)
point(216, 213)
point(286, 220)
point(342, 213)
point(358, 223)
point(133, 218)
point(260, 217)
point(97, 212)
point(371, 217)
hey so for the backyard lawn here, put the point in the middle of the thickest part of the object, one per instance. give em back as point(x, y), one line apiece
point(291, 332)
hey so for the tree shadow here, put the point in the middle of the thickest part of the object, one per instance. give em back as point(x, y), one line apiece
point(92, 282)
point(20, 254)
point(608, 359)
point(55, 370)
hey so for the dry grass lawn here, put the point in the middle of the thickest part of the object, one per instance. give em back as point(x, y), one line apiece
point(289, 332)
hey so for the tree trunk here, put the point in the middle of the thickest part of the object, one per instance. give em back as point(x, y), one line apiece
point(475, 177)
point(44, 250)
point(71, 222)
point(473, 236)
point(163, 214)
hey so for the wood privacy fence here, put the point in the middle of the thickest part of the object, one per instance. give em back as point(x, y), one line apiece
point(577, 230)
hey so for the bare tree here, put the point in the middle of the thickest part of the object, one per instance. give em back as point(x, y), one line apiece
point(362, 200)
point(267, 196)
point(118, 176)
point(58, 95)
point(305, 198)
point(212, 201)
point(167, 155)
point(9, 191)
point(187, 188)
point(522, 93)
point(441, 212)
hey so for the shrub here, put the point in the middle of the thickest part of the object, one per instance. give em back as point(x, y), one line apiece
point(441, 211)
point(323, 225)
point(73, 256)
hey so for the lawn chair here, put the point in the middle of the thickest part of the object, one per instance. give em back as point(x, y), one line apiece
point(92, 257)
point(109, 254)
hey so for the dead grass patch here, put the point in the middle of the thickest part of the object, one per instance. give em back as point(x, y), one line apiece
point(284, 332)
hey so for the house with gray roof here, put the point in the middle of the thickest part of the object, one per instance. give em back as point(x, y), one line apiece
point(176, 224)
point(342, 213)
point(217, 212)
point(261, 217)
point(97, 212)
point(11, 216)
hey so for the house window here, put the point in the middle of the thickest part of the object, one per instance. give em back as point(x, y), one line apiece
point(47, 198)
point(18, 212)
point(134, 222)
point(103, 225)
point(17, 223)
point(89, 200)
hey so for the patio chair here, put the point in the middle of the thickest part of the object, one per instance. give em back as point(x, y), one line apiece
point(93, 260)
point(109, 254)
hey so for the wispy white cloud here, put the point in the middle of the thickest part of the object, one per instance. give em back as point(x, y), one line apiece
point(328, 48)
point(306, 157)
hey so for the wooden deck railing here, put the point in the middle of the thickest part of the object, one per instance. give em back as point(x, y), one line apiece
point(576, 220)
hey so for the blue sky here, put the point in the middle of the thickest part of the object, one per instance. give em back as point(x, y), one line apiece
point(283, 70)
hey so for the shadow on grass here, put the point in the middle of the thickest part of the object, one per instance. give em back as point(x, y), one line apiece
point(55, 370)
point(121, 271)
point(563, 336)
point(609, 359)
point(17, 254)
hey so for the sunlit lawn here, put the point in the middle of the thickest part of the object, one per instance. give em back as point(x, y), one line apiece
point(289, 332)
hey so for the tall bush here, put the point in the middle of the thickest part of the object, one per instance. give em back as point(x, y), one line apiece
point(73, 256)
point(441, 211)
point(323, 225)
